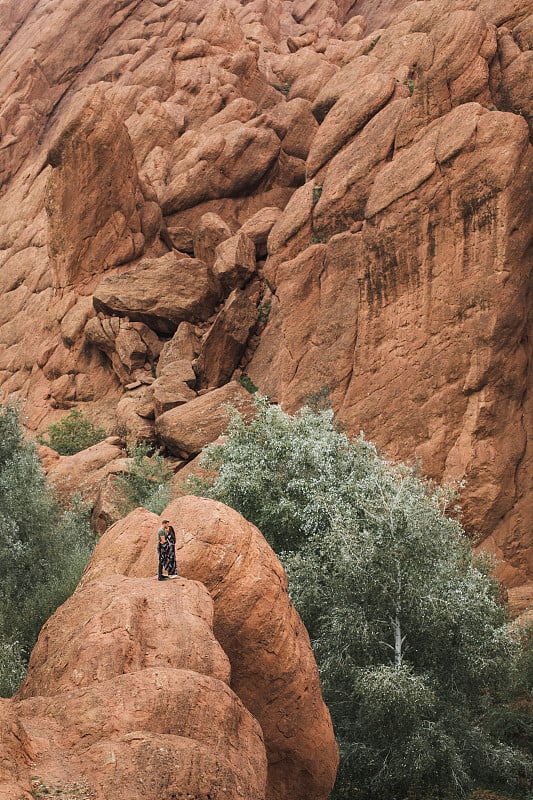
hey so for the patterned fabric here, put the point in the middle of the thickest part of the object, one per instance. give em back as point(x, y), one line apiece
point(170, 564)
point(167, 552)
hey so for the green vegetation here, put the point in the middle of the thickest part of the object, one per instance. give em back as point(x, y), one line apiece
point(72, 434)
point(64, 791)
point(317, 194)
point(147, 484)
point(43, 549)
point(419, 664)
point(410, 85)
point(284, 88)
point(248, 384)
point(264, 310)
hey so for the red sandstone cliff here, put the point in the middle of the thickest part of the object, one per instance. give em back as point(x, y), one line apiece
point(318, 193)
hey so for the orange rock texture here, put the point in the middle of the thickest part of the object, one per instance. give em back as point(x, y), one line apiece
point(201, 687)
point(313, 194)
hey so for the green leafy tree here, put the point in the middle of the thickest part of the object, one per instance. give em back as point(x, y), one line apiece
point(147, 483)
point(72, 434)
point(43, 550)
point(283, 473)
point(414, 648)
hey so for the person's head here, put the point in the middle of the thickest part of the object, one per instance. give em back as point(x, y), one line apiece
point(165, 523)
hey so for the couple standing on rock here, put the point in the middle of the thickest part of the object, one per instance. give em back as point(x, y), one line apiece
point(166, 550)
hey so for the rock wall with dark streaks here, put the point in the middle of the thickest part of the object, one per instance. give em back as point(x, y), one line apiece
point(314, 194)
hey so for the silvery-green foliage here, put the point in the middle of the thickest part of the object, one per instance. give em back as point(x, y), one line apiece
point(147, 483)
point(284, 473)
point(43, 550)
point(12, 667)
point(413, 645)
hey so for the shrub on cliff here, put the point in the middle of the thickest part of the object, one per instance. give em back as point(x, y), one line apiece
point(72, 434)
point(42, 549)
point(147, 483)
point(414, 647)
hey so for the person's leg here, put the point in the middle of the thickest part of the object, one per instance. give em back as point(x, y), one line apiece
point(160, 565)
point(171, 563)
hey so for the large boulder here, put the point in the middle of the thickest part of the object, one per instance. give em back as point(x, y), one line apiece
point(259, 225)
point(295, 126)
point(83, 473)
point(225, 342)
point(349, 114)
point(345, 80)
point(173, 386)
point(160, 292)
point(188, 428)
point(93, 196)
point(235, 261)
point(184, 346)
point(210, 231)
point(228, 162)
point(254, 621)
point(127, 692)
point(132, 347)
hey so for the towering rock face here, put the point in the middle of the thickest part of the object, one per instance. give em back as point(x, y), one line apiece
point(313, 194)
point(94, 209)
point(134, 691)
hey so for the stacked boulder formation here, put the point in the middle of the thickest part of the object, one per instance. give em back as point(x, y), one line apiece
point(204, 687)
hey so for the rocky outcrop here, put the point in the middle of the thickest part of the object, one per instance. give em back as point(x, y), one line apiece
point(187, 429)
point(90, 474)
point(134, 691)
point(162, 293)
point(273, 669)
point(97, 214)
point(316, 194)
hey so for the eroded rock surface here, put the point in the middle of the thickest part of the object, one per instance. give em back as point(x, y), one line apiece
point(134, 691)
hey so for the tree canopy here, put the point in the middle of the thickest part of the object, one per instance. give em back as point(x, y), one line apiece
point(414, 646)
point(43, 549)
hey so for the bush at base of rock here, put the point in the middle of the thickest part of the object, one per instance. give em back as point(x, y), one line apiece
point(42, 550)
point(146, 484)
point(72, 434)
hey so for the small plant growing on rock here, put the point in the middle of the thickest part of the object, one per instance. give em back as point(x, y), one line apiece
point(72, 434)
point(284, 88)
point(318, 240)
point(64, 791)
point(264, 310)
point(248, 384)
point(147, 483)
point(317, 194)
